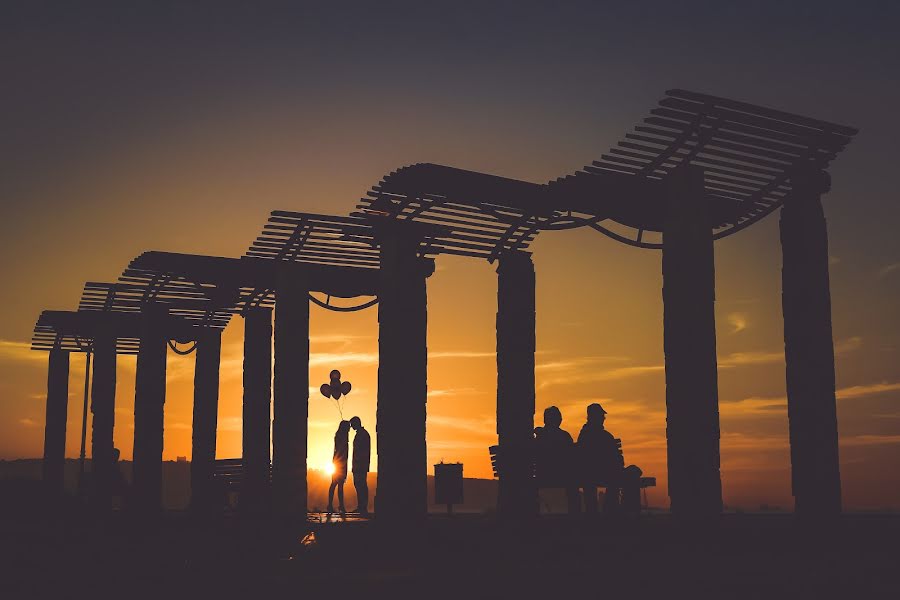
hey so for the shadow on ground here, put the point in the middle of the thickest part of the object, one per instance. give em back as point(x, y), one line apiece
point(53, 546)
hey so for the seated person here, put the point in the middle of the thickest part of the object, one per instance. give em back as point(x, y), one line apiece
point(601, 460)
point(555, 457)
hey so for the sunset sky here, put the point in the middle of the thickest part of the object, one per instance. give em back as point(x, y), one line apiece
point(179, 127)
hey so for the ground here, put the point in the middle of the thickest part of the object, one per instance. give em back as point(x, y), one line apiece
point(65, 551)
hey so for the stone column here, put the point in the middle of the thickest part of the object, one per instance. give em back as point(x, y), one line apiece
point(255, 489)
point(55, 421)
point(515, 383)
point(149, 401)
point(289, 430)
point(206, 412)
point(808, 348)
point(103, 405)
point(402, 379)
point(692, 397)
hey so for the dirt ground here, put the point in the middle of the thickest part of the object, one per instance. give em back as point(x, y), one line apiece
point(50, 551)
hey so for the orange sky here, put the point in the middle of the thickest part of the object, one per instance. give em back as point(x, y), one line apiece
point(129, 144)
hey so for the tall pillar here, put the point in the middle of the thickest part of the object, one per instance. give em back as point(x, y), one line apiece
point(103, 406)
point(808, 348)
point(402, 379)
point(206, 409)
point(289, 430)
point(55, 422)
point(255, 488)
point(149, 402)
point(515, 383)
point(692, 397)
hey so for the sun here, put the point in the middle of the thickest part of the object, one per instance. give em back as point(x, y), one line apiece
point(328, 468)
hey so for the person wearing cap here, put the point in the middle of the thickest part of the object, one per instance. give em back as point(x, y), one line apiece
point(555, 457)
point(601, 461)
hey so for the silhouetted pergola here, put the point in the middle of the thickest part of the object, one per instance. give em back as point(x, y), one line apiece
point(698, 169)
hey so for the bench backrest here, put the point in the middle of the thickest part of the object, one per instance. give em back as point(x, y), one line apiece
point(230, 472)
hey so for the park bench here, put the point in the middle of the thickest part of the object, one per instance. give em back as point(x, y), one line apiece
point(558, 482)
point(228, 475)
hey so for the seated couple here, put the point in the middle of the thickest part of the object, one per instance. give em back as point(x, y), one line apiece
point(595, 459)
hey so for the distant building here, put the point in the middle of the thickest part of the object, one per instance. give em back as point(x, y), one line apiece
point(181, 459)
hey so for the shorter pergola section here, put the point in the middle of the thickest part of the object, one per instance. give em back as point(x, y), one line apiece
point(251, 286)
point(103, 334)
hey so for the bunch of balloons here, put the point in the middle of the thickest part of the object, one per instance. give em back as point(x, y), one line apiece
point(335, 389)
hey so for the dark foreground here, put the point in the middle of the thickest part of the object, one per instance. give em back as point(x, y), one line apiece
point(741, 556)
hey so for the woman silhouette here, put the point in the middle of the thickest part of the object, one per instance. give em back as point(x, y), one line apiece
point(341, 452)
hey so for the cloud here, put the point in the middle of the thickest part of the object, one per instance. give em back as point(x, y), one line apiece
point(178, 425)
point(461, 354)
point(870, 440)
point(888, 269)
point(859, 391)
point(28, 422)
point(607, 375)
point(755, 405)
point(20, 351)
point(336, 338)
point(480, 424)
point(738, 321)
point(231, 424)
point(446, 393)
point(848, 345)
point(328, 359)
point(737, 359)
point(577, 363)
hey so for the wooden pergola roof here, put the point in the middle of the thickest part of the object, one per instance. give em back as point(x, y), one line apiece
point(748, 154)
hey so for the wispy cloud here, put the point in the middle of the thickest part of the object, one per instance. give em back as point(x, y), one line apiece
point(329, 359)
point(450, 392)
point(860, 391)
point(738, 321)
point(20, 351)
point(870, 440)
point(755, 405)
point(601, 375)
point(336, 338)
point(738, 359)
point(231, 424)
point(848, 345)
point(461, 354)
point(888, 269)
point(578, 363)
point(482, 425)
point(28, 422)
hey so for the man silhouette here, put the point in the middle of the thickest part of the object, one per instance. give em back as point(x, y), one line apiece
point(555, 457)
point(601, 460)
point(362, 450)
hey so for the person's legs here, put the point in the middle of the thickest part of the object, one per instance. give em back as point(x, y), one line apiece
point(362, 492)
point(331, 495)
point(340, 492)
